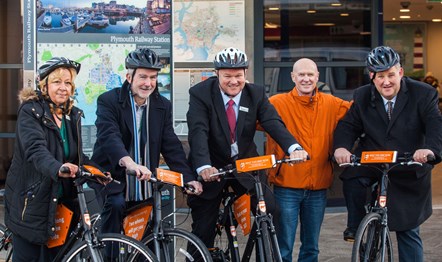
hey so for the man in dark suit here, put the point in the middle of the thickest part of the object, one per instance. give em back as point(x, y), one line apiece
point(134, 125)
point(223, 113)
point(392, 113)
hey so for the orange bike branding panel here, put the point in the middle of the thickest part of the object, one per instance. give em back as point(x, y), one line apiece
point(170, 177)
point(63, 217)
point(368, 157)
point(93, 170)
point(135, 222)
point(255, 163)
point(241, 210)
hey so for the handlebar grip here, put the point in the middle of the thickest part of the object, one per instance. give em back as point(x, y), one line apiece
point(131, 172)
point(189, 187)
point(65, 170)
point(431, 158)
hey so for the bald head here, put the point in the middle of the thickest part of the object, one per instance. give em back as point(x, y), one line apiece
point(305, 75)
point(305, 64)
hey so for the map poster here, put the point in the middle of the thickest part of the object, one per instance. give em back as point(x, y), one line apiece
point(99, 35)
point(203, 28)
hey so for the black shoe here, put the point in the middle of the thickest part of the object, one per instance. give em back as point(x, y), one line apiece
point(349, 234)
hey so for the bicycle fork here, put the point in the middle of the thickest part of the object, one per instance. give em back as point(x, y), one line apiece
point(157, 218)
point(86, 223)
point(384, 219)
point(231, 232)
point(262, 219)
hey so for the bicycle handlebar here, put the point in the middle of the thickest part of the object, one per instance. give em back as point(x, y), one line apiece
point(82, 173)
point(229, 169)
point(407, 159)
point(153, 179)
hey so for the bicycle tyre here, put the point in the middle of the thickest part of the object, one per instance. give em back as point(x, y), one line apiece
point(368, 236)
point(5, 244)
point(184, 241)
point(267, 244)
point(113, 247)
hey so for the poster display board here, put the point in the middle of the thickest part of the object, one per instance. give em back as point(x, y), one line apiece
point(201, 28)
point(99, 35)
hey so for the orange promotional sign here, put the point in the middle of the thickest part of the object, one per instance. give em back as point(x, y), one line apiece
point(255, 163)
point(135, 222)
point(170, 177)
point(241, 210)
point(372, 157)
point(63, 217)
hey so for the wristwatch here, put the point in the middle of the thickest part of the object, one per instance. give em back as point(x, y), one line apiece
point(299, 148)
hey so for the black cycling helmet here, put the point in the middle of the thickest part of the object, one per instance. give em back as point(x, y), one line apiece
point(54, 63)
point(231, 58)
point(143, 58)
point(382, 58)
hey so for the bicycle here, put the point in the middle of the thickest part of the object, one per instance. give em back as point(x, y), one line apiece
point(372, 240)
point(262, 233)
point(169, 243)
point(85, 244)
point(6, 242)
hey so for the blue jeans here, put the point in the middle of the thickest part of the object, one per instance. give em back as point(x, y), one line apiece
point(309, 207)
point(410, 246)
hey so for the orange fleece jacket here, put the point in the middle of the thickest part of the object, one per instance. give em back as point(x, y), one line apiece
point(312, 121)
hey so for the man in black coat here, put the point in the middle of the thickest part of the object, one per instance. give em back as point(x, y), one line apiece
point(134, 126)
point(392, 113)
point(214, 143)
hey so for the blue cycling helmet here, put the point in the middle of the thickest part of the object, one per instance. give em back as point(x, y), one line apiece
point(381, 59)
point(230, 58)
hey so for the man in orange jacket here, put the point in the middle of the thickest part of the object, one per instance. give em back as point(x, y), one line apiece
point(301, 189)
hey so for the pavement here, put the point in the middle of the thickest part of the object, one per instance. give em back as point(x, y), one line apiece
point(332, 247)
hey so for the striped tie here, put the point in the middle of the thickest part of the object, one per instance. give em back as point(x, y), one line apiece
point(389, 109)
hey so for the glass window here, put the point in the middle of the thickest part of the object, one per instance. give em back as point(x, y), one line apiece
point(317, 29)
point(334, 34)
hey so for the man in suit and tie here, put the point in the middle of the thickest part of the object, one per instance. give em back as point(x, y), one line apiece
point(393, 112)
point(223, 113)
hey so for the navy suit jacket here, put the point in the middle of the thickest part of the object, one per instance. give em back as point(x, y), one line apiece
point(115, 134)
point(209, 136)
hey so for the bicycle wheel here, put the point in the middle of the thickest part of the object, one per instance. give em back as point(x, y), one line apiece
point(270, 246)
point(5, 244)
point(177, 244)
point(112, 247)
point(368, 244)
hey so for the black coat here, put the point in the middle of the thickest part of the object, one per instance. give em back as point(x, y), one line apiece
point(416, 123)
point(115, 135)
point(32, 184)
point(209, 135)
